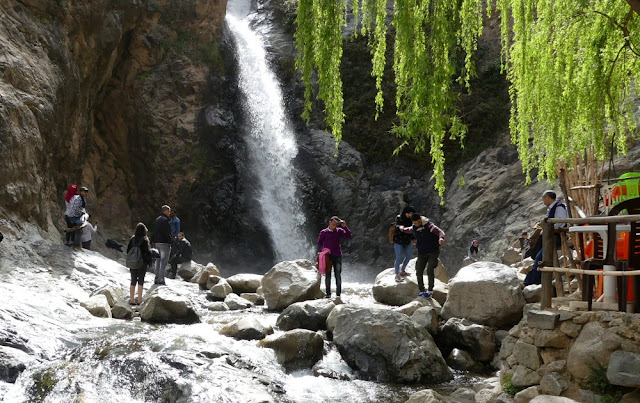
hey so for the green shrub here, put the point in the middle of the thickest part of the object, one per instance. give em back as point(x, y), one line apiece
point(508, 388)
point(597, 382)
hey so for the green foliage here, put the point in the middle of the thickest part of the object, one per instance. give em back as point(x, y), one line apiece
point(43, 383)
point(597, 382)
point(572, 65)
point(508, 388)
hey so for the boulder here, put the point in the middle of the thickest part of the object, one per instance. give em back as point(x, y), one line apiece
point(202, 277)
point(387, 291)
point(236, 302)
point(463, 395)
point(545, 320)
point(426, 317)
point(527, 354)
point(387, 346)
point(288, 282)
point(247, 328)
point(12, 363)
point(220, 290)
point(478, 340)
point(462, 360)
point(624, 369)
point(410, 308)
point(255, 298)
point(244, 282)
point(167, 305)
point(311, 315)
point(524, 396)
point(333, 318)
point(187, 271)
point(486, 293)
point(553, 384)
point(122, 310)
point(98, 305)
point(113, 294)
point(511, 256)
point(296, 349)
point(440, 271)
point(524, 377)
point(218, 306)
point(212, 280)
point(551, 399)
point(595, 342)
point(532, 293)
point(427, 396)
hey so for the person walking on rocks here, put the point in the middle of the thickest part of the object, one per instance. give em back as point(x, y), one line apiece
point(182, 255)
point(161, 239)
point(139, 240)
point(402, 242)
point(555, 209)
point(429, 238)
point(330, 238)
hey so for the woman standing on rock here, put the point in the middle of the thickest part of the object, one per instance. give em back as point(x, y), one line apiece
point(140, 241)
point(402, 242)
point(70, 235)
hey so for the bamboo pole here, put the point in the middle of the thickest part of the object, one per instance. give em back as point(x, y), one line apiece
point(628, 273)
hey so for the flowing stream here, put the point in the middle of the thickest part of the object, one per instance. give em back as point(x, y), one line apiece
point(270, 139)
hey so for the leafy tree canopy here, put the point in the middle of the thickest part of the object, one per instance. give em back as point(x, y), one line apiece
point(572, 65)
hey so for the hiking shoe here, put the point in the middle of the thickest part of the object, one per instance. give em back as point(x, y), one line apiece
point(425, 294)
point(399, 279)
point(404, 273)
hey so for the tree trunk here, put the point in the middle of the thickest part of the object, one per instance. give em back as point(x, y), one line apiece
point(635, 5)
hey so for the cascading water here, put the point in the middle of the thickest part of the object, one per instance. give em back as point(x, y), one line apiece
point(270, 140)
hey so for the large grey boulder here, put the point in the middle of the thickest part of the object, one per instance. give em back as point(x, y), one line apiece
point(527, 354)
point(97, 305)
point(12, 363)
point(595, 342)
point(244, 282)
point(236, 302)
point(478, 340)
point(311, 315)
point(387, 291)
point(387, 346)
point(427, 396)
point(462, 360)
point(624, 369)
point(121, 310)
point(486, 293)
point(254, 298)
point(187, 271)
point(202, 276)
point(167, 305)
point(551, 399)
point(288, 282)
point(553, 384)
point(247, 328)
point(296, 349)
point(426, 317)
point(113, 294)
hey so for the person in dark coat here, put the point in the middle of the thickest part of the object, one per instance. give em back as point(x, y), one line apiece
point(402, 242)
point(182, 255)
point(161, 239)
point(137, 275)
point(429, 238)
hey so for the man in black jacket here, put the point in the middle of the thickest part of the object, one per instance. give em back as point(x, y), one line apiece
point(429, 238)
point(161, 239)
point(182, 254)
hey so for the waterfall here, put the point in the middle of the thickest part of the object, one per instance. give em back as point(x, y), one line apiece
point(270, 139)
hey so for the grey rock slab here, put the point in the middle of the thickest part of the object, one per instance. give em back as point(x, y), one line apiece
point(113, 294)
point(245, 282)
point(122, 310)
point(98, 305)
point(427, 396)
point(526, 395)
point(167, 305)
point(220, 290)
point(247, 328)
point(310, 315)
point(542, 319)
point(427, 317)
point(527, 355)
point(524, 377)
point(553, 384)
point(624, 369)
point(296, 349)
point(236, 302)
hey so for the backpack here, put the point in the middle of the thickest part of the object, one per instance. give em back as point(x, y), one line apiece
point(134, 256)
point(392, 231)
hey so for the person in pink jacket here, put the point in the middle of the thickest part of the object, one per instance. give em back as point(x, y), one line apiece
point(330, 238)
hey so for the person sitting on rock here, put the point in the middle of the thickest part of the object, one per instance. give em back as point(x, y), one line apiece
point(330, 238)
point(474, 250)
point(140, 240)
point(429, 238)
point(182, 255)
point(555, 209)
point(402, 242)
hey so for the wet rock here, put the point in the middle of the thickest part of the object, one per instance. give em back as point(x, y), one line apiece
point(247, 328)
point(12, 363)
point(524, 396)
point(551, 399)
point(527, 355)
point(542, 319)
point(296, 349)
point(463, 395)
point(187, 271)
point(553, 384)
point(235, 302)
point(218, 306)
point(524, 377)
point(166, 305)
point(97, 306)
point(624, 369)
point(594, 343)
point(202, 277)
point(113, 294)
point(410, 308)
point(254, 298)
point(10, 338)
point(288, 282)
point(486, 293)
point(387, 291)
point(478, 340)
point(387, 346)
point(532, 293)
point(462, 360)
point(426, 396)
point(426, 317)
point(244, 282)
point(219, 290)
point(330, 373)
point(311, 315)
point(122, 310)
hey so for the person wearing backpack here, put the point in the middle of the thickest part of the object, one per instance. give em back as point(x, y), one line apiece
point(138, 260)
point(402, 242)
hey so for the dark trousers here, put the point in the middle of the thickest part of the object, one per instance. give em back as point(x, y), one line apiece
point(429, 260)
point(174, 261)
point(69, 236)
point(86, 245)
point(336, 262)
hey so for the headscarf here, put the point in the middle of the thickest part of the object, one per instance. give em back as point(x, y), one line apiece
point(71, 191)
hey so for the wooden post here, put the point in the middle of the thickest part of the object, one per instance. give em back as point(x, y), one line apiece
point(548, 248)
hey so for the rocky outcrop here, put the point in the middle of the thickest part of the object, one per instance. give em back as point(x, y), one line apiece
point(310, 315)
point(289, 282)
point(247, 328)
point(387, 346)
point(166, 305)
point(485, 293)
point(476, 339)
point(296, 349)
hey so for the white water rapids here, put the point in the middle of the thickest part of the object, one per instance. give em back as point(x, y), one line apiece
point(270, 139)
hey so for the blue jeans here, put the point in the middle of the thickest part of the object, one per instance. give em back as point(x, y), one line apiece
point(161, 263)
point(402, 252)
